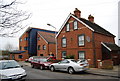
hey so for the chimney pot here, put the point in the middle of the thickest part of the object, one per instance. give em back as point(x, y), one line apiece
point(91, 18)
point(77, 13)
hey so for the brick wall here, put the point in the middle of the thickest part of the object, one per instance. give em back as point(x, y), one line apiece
point(42, 42)
point(23, 43)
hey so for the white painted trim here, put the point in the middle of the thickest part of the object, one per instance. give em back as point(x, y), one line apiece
point(43, 37)
point(63, 24)
point(106, 46)
point(76, 19)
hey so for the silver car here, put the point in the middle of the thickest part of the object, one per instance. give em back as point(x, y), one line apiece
point(70, 65)
point(11, 70)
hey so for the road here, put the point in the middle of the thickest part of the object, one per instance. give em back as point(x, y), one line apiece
point(33, 73)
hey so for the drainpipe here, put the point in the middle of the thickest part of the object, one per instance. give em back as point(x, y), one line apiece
point(94, 52)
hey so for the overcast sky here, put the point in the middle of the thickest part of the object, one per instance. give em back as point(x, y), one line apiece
point(55, 12)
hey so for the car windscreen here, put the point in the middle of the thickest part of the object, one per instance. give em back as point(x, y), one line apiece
point(74, 61)
point(9, 64)
point(43, 60)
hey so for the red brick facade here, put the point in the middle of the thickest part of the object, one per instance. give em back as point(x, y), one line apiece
point(92, 41)
point(23, 46)
point(49, 48)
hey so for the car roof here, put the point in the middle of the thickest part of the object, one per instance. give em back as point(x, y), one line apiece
point(6, 60)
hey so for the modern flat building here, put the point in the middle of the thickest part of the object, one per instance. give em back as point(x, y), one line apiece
point(28, 44)
point(85, 39)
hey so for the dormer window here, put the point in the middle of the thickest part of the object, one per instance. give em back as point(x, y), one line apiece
point(75, 24)
point(67, 27)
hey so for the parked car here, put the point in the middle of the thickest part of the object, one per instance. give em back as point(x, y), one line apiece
point(70, 65)
point(11, 70)
point(41, 63)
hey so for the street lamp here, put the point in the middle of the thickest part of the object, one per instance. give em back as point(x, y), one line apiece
point(55, 36)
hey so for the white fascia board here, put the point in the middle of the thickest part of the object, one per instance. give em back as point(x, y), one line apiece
point(106, 46)
point(63, 24)
point(43, 38)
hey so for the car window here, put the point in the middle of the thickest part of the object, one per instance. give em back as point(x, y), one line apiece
point(9, 64)
point(74, 61)
point(64, 61)
point(43, 60)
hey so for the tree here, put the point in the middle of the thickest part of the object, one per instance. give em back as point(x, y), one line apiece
point(11, 18)
point(9, 47)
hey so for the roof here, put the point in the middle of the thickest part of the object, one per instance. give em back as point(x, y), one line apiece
point(17, 52)
point(49, 37)
point(38, 29)
point(96, 27)
point(111, 46)
point(92, 26)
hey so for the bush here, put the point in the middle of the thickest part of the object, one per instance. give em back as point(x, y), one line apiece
point(70, 57)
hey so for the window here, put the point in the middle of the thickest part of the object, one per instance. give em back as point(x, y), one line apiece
point(41, 54)
point(38, 38)
point(64, 54)
point(26, 38)
point(44, 47)
point(20, 47)
point(81, 40)
point(75, 25)
point(81, 55)
point(38, 47)
point(64, 61)
point(20, 56)
point(67, 27)
point(20, 39)
point(26, 48)
point(64, 42)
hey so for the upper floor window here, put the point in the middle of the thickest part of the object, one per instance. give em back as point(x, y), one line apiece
point(20, 39)
point(81, 40)
point(67, 27)
point(38, 47)
point(81, 55)
point(64, 42)
point(38, 38)
point(75, 24)
point(26, 48)
point(44, 47)
point(26, 38)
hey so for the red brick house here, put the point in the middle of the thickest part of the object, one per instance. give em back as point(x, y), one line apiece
point(46, 45)
point(83, 38)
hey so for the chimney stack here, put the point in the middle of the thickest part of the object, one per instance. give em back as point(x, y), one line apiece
point(77, 13)
point(91, 18)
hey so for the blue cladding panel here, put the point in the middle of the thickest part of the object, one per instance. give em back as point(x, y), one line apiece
point(32, 44)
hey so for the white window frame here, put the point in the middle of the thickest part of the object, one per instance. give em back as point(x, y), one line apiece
point(64, 42)
point(64, 54)
point(81, 40)
point(68, 27)
point(81, 55)
point(75, 25)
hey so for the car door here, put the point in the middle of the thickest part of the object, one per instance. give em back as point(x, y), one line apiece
point(63, 65)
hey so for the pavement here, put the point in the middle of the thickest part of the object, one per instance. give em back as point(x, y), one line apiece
point(115, 72)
